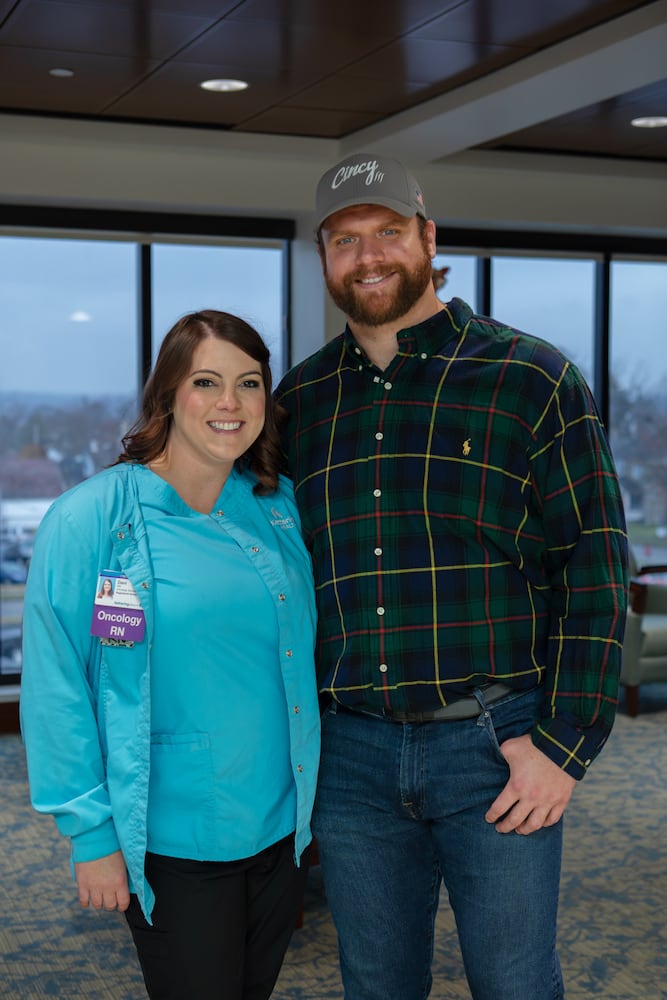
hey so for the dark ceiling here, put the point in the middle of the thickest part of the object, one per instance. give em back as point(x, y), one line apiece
point(316, 68)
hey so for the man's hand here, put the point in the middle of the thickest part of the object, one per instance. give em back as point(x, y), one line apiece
point(537, 791)
point(103, 883)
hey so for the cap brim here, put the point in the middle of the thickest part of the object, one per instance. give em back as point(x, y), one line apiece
point(399, 207)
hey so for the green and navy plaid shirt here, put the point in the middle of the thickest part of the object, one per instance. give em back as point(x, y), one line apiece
point(466, 525)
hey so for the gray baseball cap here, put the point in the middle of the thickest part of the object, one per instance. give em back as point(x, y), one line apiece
point(366, 179)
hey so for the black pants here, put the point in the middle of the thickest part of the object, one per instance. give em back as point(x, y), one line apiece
point(220, 929)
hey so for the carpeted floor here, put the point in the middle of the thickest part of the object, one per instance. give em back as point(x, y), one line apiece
point(613, 935)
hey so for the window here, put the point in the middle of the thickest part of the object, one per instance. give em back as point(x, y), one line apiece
point(556, 297)
point(245, 280)
point(551, 298)
point(70, 372)
point(72, 340)
point(638, 400)
point(461, 279)
point(68, 313)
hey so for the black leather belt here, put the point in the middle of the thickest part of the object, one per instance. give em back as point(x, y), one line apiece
point(461, 708)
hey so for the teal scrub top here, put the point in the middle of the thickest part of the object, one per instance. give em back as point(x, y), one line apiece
point(221, 785)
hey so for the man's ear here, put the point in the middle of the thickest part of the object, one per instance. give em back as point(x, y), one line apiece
point(430, 233)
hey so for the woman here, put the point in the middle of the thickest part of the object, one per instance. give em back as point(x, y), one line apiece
point(176, 738)
point(105, 593)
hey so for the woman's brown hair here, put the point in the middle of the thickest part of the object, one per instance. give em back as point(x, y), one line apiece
point(147, 438)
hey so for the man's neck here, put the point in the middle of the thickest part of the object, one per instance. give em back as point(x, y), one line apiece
point(381, 342)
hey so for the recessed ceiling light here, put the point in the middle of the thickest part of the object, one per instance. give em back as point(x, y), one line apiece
point(58, 71)
point(653, 121)
point(223, 86)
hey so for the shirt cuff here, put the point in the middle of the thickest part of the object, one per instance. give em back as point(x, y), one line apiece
point(94, 844)
point(573, 748)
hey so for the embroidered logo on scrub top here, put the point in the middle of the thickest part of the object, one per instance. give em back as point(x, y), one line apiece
point(118, 618)
point(281, 520)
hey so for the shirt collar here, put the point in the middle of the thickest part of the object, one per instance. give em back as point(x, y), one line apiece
point(428, 337)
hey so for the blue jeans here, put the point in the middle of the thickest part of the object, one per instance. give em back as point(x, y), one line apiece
point(400, 808)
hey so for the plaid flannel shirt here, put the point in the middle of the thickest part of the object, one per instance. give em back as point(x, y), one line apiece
point(466, 525)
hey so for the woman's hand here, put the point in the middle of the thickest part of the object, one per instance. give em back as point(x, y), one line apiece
point(103, 883)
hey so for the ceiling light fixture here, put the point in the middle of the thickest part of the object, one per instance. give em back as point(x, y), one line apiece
point(61, 71)
point(223, 86)
point(652, 121)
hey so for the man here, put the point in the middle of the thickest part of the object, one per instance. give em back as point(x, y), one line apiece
point(458, 496)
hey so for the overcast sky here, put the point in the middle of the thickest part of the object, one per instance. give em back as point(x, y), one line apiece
point(68, 311)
